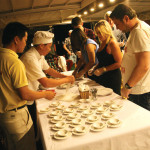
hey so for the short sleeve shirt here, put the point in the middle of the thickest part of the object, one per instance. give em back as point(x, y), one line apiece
point(35, 64)
point(12, 77)
point(68, 43)
point(138, 41)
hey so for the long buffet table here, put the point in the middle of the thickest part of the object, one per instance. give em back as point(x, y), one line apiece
point(132, 134)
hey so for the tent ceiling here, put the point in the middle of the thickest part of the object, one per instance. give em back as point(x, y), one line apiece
point(50, 12)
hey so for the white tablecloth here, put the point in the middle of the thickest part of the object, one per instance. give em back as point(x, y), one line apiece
point(133, 134)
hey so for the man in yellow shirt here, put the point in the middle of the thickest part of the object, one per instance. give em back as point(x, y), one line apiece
point(15, 119)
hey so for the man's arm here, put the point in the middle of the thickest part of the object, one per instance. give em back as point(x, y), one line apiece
point(143, 65)
point(26, 94)
point(52, 72)
point(49, 82)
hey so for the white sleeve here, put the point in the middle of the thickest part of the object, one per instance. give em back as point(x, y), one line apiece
point(141, 41)
point(45, 65)
point(34, 69)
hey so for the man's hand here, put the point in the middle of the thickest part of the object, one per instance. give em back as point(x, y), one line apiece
point(71, 79)
point(49, 95)
point(125, 93)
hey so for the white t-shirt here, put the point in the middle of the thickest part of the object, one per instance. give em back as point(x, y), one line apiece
point(35, 64)
point(138, 41)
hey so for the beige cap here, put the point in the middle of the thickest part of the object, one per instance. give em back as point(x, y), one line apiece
point(42, 37)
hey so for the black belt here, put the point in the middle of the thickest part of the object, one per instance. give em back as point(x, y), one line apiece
point(17, 108)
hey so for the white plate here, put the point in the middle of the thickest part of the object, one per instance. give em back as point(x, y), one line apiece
point(79, 130)
point(68, 110)
point(107, 115)
point(54, 104)
point(60, 107)
point(115, 107)
point(75, 122)
point(58, 134)
point(104, 91)
point(101, 110)
point(114, 123)
point(54, 113)
point(81, 108)
point(108, 103)
point(72, 116)
point(92, 119)
point(98, 126)
point(86, 113)
point(74, 105)
point(44, 110)
point(56, 119)
point(95, 105)
point(59, 126)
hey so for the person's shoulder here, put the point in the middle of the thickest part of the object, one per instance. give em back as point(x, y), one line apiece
point(28, 54)
point(113, 42)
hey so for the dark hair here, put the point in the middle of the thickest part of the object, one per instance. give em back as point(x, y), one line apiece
point(121, 10)
point(11, 30)
point(76, 21)
point(78, 39)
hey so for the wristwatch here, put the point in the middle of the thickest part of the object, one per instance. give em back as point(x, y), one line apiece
point(127, 86)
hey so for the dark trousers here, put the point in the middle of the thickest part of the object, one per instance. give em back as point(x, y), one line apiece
point(142, 100)
point(32, 110)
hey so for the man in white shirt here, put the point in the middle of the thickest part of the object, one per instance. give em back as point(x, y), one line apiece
point(136, 60)
point(37, 67)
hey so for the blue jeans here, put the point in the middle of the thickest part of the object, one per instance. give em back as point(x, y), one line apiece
point(142, 100)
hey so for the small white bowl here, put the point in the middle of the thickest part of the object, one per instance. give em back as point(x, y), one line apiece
point(95, 105)
point(73, 115)
point(54, 113)
point(87, 112)
point(83, 107)
point(62, 133)
point(54, 104)
point(58, 118)
point(60, 125)
point(108, 103)
point(98, 125)
point(107, 115)
point(68, 110)
point(76, 121)
point(92, 118)
point(114, 121)
point(80, 129)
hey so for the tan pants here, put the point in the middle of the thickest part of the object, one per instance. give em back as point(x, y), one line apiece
point(18, 128)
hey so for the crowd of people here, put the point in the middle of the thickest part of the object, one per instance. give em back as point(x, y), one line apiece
point(101, 61)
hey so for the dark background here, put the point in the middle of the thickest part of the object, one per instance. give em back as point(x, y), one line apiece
point(60, 33)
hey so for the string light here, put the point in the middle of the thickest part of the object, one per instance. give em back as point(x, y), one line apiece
point(111, 1)
point(101, 5)
point(85, 13)
point(92, 9)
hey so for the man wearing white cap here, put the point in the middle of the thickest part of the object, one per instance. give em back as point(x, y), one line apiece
point(37, 67)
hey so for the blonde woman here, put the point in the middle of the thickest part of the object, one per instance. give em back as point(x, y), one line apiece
point(109, 57)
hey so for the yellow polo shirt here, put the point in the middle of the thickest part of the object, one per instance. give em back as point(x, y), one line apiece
point(12, 76)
